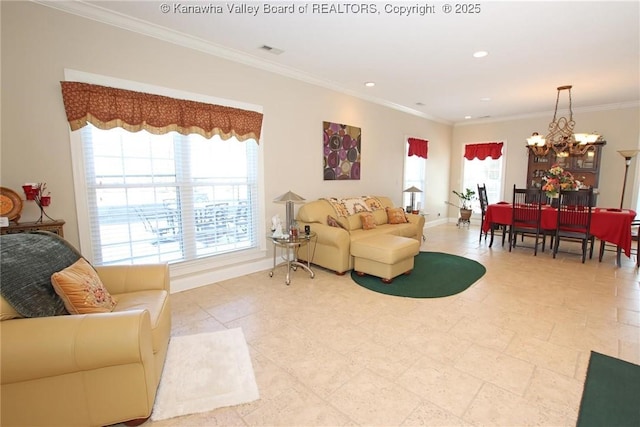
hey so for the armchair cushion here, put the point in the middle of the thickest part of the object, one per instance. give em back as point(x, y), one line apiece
point(82, 290)
point(7, 312)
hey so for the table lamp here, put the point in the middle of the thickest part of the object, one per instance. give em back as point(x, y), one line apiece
point(289, 198)
point(413, 190)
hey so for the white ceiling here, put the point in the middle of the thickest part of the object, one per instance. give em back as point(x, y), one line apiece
point(534, 47)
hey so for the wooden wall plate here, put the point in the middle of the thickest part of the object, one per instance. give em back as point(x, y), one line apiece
point(10, 204)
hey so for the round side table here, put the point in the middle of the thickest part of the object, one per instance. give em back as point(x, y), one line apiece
point(289, 245)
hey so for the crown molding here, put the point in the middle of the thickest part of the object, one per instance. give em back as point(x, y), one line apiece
point(102, 15)
point(547, 114)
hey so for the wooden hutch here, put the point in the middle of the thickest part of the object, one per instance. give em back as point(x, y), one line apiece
point(585, 168)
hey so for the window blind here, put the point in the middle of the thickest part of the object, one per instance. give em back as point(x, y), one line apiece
point(168, 198)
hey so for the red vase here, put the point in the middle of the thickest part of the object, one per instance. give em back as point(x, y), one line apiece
point(30, 192)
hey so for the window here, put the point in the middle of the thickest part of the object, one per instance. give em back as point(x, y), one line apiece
point(487, 171)
point(163, 198)
point(414, 175)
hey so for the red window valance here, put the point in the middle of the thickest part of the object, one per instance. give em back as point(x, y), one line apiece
point(418, 147)
point(107, 108)
point(482, 151)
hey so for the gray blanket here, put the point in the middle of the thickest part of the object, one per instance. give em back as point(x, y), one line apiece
point(27, 262)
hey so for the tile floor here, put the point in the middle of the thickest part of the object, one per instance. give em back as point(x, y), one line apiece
point(511, 350)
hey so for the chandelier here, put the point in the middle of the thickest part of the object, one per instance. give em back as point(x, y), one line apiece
point(561, 137)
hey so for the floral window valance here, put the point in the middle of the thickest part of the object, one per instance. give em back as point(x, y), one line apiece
point(482, 151)
point(107, 108)
point(418, 147)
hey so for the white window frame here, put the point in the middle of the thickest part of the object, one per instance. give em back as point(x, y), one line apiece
point(80, 187)
point(406, 183)
point(474, 186)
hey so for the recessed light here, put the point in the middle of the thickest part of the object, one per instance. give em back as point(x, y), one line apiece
point(480, 54)
point(369, 84)
point(485, 99)
point(467, 117)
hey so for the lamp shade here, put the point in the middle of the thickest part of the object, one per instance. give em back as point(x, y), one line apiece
point(628, 153)
point(289, 196)
point(586, 138)
point(536, 140)
point(412, 189)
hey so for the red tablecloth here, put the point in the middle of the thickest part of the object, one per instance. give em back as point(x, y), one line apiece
point(611, 225)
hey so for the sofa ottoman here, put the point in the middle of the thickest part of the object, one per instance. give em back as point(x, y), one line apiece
point(384, 255)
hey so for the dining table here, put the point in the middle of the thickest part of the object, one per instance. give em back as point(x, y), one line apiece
point(608, 224)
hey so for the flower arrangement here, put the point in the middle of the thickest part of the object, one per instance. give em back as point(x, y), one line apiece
point(557, 179)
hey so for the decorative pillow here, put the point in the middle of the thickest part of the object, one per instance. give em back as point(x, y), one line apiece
point(332, 222)
point(396, 216)
point(368, 222)
point(81, 289)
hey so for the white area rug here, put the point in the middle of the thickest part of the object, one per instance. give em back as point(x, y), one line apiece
point(204, 372)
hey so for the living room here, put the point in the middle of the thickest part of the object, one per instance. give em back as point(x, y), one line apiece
point(294, 111)
point(522, 315)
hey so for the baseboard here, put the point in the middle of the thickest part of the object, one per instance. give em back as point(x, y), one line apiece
point(203, 278)
point(436, 222)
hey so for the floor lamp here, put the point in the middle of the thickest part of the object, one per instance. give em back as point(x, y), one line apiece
point(628, 155)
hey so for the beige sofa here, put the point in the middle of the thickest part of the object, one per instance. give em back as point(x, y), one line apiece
point(331, 248)
point(87, 369)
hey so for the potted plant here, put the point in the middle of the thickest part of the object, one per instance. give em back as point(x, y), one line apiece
point(466, 197)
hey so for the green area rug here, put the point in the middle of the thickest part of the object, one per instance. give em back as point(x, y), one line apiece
point(611, 395)
point(434, 275)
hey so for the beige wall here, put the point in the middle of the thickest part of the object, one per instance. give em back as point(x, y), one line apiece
point(38, 43)
point(620, 128)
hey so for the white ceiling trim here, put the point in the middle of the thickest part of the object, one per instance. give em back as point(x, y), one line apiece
point(128, 23)
point(549, 114)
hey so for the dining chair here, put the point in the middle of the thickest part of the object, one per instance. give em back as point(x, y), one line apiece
point(635, 237)
point(484, 204)
point(574, 220)
point(526, 215)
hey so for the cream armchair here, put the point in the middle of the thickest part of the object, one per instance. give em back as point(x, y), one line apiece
point(90, 369)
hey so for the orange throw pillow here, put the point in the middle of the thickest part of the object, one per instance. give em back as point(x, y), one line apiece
point(396, 216)
point(81, 289)
point(368, 222)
